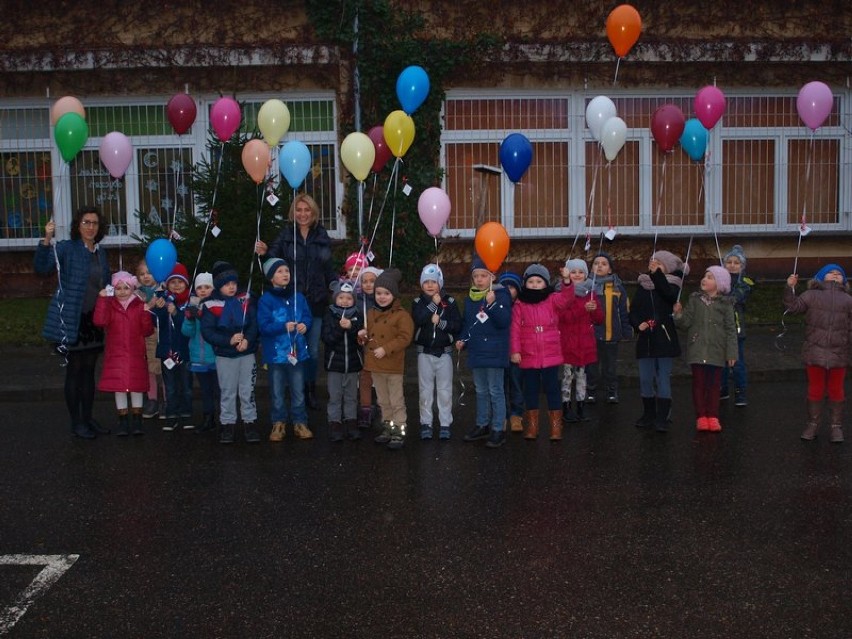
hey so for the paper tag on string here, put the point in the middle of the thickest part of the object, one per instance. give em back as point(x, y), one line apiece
point(175, 235)
point(272, 199)
point(804, 229)
point(588, 243)
point(407, 189)
point(482, 316)
point(610, 234)
point(215, 231)
point(169, 363)
point(370, 257)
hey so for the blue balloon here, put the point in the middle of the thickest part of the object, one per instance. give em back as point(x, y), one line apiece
point(516, 155)
point(694, 139)
point(295, 161)
point(412, 87)
point(161, 258)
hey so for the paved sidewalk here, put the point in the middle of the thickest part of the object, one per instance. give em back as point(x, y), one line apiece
point(35, 374)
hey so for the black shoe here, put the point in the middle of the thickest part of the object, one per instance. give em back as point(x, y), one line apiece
point(568, 415)
point(740, 398)
point(250, 432)
point(353, 433)
point(136, 424)
point(100, 430)
point(496, 439)
point(591, 399)
point(83, 431)
point(172, 424)
point(123, 429)
point(208, 424)
point(611, 398)
point(151, 409)
point(724, 394)
point(226, 434)
point(477, 433)
point(311, 396)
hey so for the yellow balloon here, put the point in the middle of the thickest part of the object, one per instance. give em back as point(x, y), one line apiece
point(399, 132)
point(273, 120)
point(358, 155)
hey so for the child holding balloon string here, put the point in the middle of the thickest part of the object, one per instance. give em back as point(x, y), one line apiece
point(366, 300)
point(146, 290)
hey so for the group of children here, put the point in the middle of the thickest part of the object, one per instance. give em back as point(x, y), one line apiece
point(523, 336)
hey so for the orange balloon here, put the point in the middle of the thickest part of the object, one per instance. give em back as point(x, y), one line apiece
point(623, 26)
point(256, 159)
point(492, 244)
point(67, 104)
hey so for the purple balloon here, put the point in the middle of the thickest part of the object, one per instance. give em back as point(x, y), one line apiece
point(814, 104)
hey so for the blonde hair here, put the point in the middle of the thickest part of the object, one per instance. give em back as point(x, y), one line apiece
point(304, 197)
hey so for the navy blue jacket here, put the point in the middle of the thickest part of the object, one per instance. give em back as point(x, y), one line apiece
point(487, 342)
point(310, 263)
point(435, 339)
point(222, 318)
point(342, 352)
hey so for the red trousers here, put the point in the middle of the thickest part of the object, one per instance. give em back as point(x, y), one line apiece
point(705, 389)
point(822, 379)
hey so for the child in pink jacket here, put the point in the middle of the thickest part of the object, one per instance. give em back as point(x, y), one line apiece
point(577, 328)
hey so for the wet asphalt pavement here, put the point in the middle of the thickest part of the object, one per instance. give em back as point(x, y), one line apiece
point(614, 532)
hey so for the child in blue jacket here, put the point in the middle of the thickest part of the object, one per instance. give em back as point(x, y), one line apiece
point(202, 359)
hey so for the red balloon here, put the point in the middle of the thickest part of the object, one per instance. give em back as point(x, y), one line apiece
point(181, 112)
point(383, 153)
point(667, 126)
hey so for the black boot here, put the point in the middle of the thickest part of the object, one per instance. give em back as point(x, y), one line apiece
point(351, 428)
point(649, 413)
point(208, 424)
point(336, 431)
point(568, 415)
point(664, 407)
point(226, 434)
point(581, 416)
point(123, 429)
point(251, 434)
point(311, 396)
point(100, 430)
point(136, 421)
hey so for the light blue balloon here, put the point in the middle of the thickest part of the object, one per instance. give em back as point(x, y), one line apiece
point(295, 161)
point(412, 87)
point(694, 139)
point(161, 258)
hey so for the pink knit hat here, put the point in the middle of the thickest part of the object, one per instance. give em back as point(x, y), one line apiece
point(722, 277)
point(126, 278)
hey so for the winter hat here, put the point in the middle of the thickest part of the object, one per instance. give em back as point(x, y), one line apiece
point(341, 286)
point(671, 261)
point(355, 260)
point(537, 270)
point(390, 279)
point(820, 276)
point(477, 264)
point(125, 277)
point(737, 252)
point(271, 265)
point(371, 269)
point(204, 279)
point(577, 263)
point(432, 272)
point(722, 277)
point(511, 279)
point(179, 272)
point(223, 272)
point(606, 256)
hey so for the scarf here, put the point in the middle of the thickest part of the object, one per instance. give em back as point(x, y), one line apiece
point(647, 283)
point(581, 289)
point(477, 295)
point(534, 296)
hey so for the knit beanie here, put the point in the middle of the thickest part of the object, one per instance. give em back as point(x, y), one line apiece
point(477, 264)
point(511, 279)
point(820, 276)
point(722, 277)
point(271, 265)
point(125, 277)
point(671, 261)
point(355, 260)
point(179, 272)
point(577, 263)
point(607, 257)
point(339, 287)
point(737, 252)
point(537, 270)
point(432, 272)
point(371, 269)
point(204, 279)
point(223, 272)
point(390, 280)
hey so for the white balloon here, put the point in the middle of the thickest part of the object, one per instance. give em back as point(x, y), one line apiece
point(600, 110)
point(613, 136)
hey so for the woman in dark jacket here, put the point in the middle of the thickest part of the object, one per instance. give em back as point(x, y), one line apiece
point(307, 247)
point(83, 270)
point(657, 344)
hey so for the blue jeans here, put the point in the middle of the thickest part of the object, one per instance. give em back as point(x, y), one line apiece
point(490, 398)
point(739, 369)
point(655, 377)
point(282, 376)
point(313, 339)
point(177, 381)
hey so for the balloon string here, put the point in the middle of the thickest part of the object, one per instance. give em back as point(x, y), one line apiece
point(209, 213)
point(609, 194)
point(804, 224)
point(118, 206)
point(60, 296)
point(660, 202)
point(462, 388)
point(686, 264)
point(295, 265)
point(589, 216)
point(437, 263)
point(372, 199)
point(617, 64)
point(393, 219)
point(253, 258)
point(178, 165)
point(382, 207)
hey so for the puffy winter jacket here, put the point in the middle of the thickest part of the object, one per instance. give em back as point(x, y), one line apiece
point(613, 297)
point(125, 367)
point(200, 352)
point(392, 329)
point(656, 305)
point(711, 333)
point(487, 343)
point(828, 323)
point(224, 317)
point(277, 307)
point(342, 352)
point(577, 329)
point(435, 339)
point(310, 263)
point(535, 330)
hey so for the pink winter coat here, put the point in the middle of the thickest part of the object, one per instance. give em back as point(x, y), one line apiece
point(125, 366)
point(535, 331)
point(577, 327)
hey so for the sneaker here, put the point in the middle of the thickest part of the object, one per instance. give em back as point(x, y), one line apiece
point(425, 431)
point(444, 434)
point(226, 434)
point(591, 399)
point(301, 431)
point(250, 433)
point(713, 425)
point(611, 398)
point(150, 409)
point(702, 423)
point(186, 424)
point(172, 424)
point(496, 439)
point(384, 436)
point(740, 398)
point(397, 438)
point(477, 433)
point(724, 394)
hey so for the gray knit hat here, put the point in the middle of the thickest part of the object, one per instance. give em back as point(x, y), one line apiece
point(577, 263)
point(538, 270)
point(671, 261)
point(271, 265)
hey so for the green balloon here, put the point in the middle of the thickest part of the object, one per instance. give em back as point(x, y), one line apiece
point(71, 133)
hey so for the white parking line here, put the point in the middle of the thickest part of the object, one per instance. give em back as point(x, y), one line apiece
point(54, 567)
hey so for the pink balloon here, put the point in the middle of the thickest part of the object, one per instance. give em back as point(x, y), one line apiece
point(116, 153)
point(814, 103)
point(709, 106)
point(225, 118)
point(434, 209)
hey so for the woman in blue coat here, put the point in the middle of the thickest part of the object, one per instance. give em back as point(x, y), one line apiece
point(82, 269)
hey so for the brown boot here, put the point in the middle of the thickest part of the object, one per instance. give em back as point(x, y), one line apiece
point(516, 423)
point(531, 418)
point(555, 425)
point(812, 426)
point(835, 415)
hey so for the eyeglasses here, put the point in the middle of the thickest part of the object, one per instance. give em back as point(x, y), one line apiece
point(89, 222)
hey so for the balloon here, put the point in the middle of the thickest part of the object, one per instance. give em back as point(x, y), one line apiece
point(623, 26)
point(295, 161)
point(412, 87)
point(814, 103)
point(600, 110)
point(116, 153)
point(67, 104)
point(181, 112)
point(161, 258)
point(667, 124)
point(694, 139)
point(383, 153)
point(709, 106)
point(492, 244)
point(358, 155)
point(399, 132)
point(273, 120)
point(225, 117)
point(613, 136)
point(434, 209)
point(256, 160)
point(71, 133)
point(515, 155)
